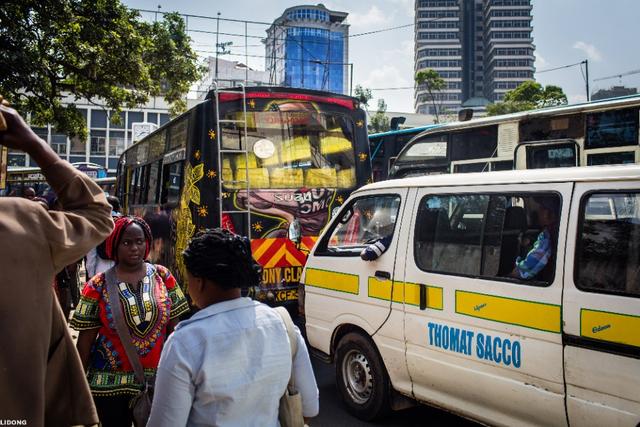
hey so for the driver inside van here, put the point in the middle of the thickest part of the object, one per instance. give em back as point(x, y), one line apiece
point(381, 228)
point(538, 256)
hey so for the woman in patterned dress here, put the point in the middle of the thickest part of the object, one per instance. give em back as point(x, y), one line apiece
point(151, 301)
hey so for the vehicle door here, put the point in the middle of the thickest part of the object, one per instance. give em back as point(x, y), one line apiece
point(601, 307)
point(343, 289)
point(481, 339)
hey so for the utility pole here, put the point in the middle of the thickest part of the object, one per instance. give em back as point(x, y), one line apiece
point(586, 72)
point(217, 34)
point(351, 80)
point(246, 56)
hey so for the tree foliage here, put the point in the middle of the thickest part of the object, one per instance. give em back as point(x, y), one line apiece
point(528, 95)
point(363, 95)
point(434, 84)
point(379, 121)
point(99, 50)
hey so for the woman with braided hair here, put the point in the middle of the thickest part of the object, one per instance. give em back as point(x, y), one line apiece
point(151, 302)
point(230, 363)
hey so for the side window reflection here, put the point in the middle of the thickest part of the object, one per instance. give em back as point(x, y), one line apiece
point(366, 221)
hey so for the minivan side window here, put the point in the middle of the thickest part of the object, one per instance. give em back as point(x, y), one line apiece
point(365, 221)
point(608, 246)
point(509, 236)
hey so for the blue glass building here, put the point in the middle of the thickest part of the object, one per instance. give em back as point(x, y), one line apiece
point(307, 47)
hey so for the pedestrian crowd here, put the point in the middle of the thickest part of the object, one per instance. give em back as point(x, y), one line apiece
point(147, 353)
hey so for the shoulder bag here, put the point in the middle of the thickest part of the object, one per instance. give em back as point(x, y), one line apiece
point(141, 403)
point(290, 412)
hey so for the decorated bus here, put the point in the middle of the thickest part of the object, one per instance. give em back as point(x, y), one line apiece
point(272, 164)
point(595, 133)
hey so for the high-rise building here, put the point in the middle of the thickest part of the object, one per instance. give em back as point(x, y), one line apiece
point(481, 48)
point(307, 47)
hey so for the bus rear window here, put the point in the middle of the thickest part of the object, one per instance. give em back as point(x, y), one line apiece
point(551, 156)
point(289, 149)
point(611, 158)
point(612, 128)
point(432, 147)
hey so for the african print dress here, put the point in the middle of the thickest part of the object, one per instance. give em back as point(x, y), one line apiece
point(147, 313)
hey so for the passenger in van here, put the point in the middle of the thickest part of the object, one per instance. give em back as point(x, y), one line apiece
point(380, 230)
point(538, 256)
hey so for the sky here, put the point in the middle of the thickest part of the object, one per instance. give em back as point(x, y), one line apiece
point(565, 32)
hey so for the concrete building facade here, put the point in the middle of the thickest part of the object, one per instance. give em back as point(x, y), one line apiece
point(105, 140)
point(613, 92)
point(481, 48)
point(308, 47)
point(230, 74)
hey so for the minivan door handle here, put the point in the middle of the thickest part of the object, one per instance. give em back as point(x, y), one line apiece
point(423, 297)
point(383, 275)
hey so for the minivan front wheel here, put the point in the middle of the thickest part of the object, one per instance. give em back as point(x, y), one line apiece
point(362, 380)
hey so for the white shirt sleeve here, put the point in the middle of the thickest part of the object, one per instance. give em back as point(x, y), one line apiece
point(91, 262)
point(305, 380)
point(174, 389)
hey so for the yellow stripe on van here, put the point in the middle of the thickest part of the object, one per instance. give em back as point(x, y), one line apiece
point(341, 282)
point(381, 289)
point(612, 327)
point(530, 314)
point(412, 296)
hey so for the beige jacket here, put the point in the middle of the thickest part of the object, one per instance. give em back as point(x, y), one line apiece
point(41, 377)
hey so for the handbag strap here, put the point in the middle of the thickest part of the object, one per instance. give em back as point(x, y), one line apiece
point(122, 329)
point(293, 338)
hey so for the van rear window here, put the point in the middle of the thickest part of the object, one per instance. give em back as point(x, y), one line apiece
point(608, 247)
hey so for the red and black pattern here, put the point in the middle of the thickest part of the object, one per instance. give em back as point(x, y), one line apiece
point(120, 225)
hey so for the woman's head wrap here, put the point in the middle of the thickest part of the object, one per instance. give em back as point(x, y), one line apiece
point(120, 225)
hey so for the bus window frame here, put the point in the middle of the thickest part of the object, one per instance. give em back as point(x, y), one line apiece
point(488, 160)
point(169, 159)
point(578, 154)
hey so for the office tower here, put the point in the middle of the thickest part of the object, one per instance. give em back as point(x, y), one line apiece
point(307, 47)
point(481, 48)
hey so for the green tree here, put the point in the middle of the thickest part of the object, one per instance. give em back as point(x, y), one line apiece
point(98, 50)
point(379, 121)
point(363, 95)
point(434, 84)
point(528, 95)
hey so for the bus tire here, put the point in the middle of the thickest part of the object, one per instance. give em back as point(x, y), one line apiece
point(362, 380)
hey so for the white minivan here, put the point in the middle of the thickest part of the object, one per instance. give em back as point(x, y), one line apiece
point(505, 297)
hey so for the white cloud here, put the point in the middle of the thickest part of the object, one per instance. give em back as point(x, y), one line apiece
point(384, 77)
point(370, 19)
point(541, 63)
point(576, 99)
point(405, 6)
point(390, 76)
point(592, 52)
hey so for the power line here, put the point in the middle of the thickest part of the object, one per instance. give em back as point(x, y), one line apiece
point(560, 68)
point(394, 88)
point(226, 34)
point(386, 29)
point(628, 73)
point(382, 30)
